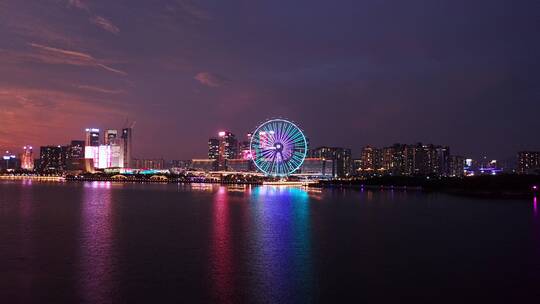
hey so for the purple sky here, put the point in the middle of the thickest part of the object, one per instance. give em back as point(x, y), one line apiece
point(350, 73)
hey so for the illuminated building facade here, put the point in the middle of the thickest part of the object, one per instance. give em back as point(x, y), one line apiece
point(203, 164)
point(228, 146)
point(76, 149)
point(27, 158)
point(240, 165)
point(157, 164)
point(127, 149)
point(457, 166)
point(92, 137)
point(341, 159)
point(317, 167)
point(528, 162)
point(370, 161)
point(10, 161)
point(53, 158)
point(213, 148)
point(111, 136)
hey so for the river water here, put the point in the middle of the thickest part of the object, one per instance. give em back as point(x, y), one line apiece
point(100, 242)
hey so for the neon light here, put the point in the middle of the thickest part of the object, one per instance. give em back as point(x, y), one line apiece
point(278, 147)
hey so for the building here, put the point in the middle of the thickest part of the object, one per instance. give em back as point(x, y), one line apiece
point(213, 148)
point(417, 159)
point(240, 165)
point(341, 159)
point(228, 148)
point(111, 136)
point(180, 164)
point(317, 167)
point(223, 148)
point(127, 149)
point(370, 161)
point(92, 137)
point(76, 149)
point(155, 164)
point(27, 158)
point(203, 164)
point(244, 148)
point(110, 156)
point(10, 162)
point(457, 166)
point(53, 158)
point(528, 162)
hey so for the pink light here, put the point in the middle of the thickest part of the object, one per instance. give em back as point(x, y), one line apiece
point(221, 134)
point(535, 187)
point(535, 208)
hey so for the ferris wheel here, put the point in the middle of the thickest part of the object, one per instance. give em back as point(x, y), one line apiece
point(278, 147)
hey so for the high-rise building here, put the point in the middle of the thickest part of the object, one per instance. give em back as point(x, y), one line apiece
point(457, 166)
point(92, 137)
point(244, 151)
point(528, 162)
point(418, 159)
point(10, 162)
point(341, 159)
point(213, 148)
point(127, 142)
point(370, 160)
point(53, 158)
point(27, 158)
point(228, 145)
point(111, 136)
point(76, 149)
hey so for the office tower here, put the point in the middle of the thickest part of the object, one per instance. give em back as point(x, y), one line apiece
point(92, 137)
point(244, 151)
point(213, 148)
point(10, 162)
point(228, 148)
point(53, 158)
point(76, 149)
point(111, 136)
point(27, 158)
point(528, 162)
point(341, 159)
point(127, 142)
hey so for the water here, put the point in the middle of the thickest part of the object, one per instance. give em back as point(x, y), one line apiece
point(100, 242)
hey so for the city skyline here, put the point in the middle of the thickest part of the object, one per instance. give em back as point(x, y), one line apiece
point(352, 74)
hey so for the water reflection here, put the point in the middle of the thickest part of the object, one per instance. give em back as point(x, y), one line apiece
point(282, 257)
point(221, 252)
point(96, 263)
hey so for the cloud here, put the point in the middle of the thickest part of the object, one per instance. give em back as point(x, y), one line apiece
point(98, 89)
point(187, 10)
point(78, 4)
point(45, 116)
point(52, 55)
point(211, 80)
point(105, 24)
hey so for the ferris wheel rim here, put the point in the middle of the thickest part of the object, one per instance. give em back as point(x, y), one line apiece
point(296, 158)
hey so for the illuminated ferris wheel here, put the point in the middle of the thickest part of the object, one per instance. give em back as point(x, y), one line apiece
point(278, 147)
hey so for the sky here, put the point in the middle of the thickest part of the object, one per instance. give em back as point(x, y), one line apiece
point(349, 73)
